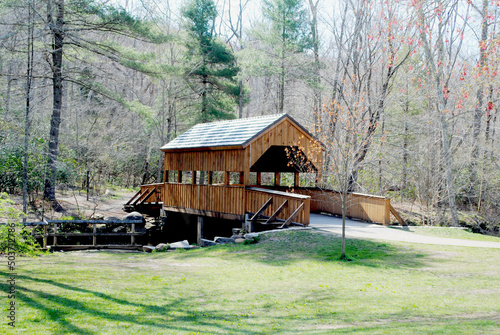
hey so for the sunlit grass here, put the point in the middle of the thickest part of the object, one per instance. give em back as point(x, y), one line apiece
point(453, 233)
point(289, 283)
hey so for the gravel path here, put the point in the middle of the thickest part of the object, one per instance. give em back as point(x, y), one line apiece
point(379, 232)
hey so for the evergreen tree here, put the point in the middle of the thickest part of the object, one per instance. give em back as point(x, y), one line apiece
point(289, 34)
point(211, 67)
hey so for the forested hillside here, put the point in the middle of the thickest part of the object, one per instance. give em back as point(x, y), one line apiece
point(405, 93)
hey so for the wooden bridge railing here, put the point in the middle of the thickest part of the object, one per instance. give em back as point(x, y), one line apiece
point(256, 197)
point(232, 201)
point(360, 206)
point(151, 193)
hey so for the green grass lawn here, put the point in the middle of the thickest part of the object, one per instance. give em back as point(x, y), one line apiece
point(289, 283)
point(452, 233)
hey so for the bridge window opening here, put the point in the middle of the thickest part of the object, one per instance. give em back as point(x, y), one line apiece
point(187, 177)
point(307, 179)
point(267, 178)
point(201, 177)
point(253, 178)
point(218, 177)
point(287, 179)
point(235, 178)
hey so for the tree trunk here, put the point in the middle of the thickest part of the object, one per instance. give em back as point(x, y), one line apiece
point(29, 77)
point(57, 29)
point(478, 111)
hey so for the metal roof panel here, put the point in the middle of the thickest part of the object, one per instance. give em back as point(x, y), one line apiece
point(223, 133)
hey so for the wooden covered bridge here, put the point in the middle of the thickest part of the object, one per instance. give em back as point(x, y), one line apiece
point(241, 170)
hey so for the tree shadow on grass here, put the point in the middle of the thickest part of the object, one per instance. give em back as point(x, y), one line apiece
point(287, 247)
point(60, 308)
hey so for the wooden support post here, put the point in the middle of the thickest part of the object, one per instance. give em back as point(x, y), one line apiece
point(210, 178)
point(277, 212)
point(259, 178)
point(132, 237)
point(242, 178)
point(45, 236)
point(262, 209)
point(54, 243)
point(166, 176)
point(296, 180)
point(179, 177)
point(248, 224)
point(227, 177)
point(193, 179)
point(276, 179)
point(289, 220)
point(94, 237)
point(199, 234)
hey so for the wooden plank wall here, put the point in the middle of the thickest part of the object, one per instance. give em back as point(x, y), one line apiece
point(155, 197)
point(206, 160)
point(223, 199)
point(284, 134)
point(231, 200)
point(255, 200)
point(361, 206)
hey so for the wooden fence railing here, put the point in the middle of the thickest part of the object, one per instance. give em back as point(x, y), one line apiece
point(360, 206)
point(57, 225)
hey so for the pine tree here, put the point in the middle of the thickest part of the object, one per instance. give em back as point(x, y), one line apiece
point(211, 67)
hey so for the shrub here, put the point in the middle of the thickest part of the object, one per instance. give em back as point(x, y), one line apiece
point(14, 237)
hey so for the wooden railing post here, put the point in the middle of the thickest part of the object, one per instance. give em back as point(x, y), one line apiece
point(45, 236)
point(54, 243)
point(94, 231)
point(132, 237)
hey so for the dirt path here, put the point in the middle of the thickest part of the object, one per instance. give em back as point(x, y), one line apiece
point(76, 205)
point(359, 229)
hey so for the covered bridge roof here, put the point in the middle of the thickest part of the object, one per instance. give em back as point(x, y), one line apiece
point(239, 132)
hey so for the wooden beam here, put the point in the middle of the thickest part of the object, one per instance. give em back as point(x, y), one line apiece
point(259, 178)
point(278, 211)
point(153, 190)
point(199, 234)
point(295, 212)
point(242, 178)
point(227, 177)
point(193, 177)
point(212, 214)
point(210, 180)
point(296, 180)
point(179, 176)
point(262, 209)
point(277, 179)
point(133, 198)
point(398, 217)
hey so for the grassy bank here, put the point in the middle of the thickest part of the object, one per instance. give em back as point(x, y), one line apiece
point(289, 283)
